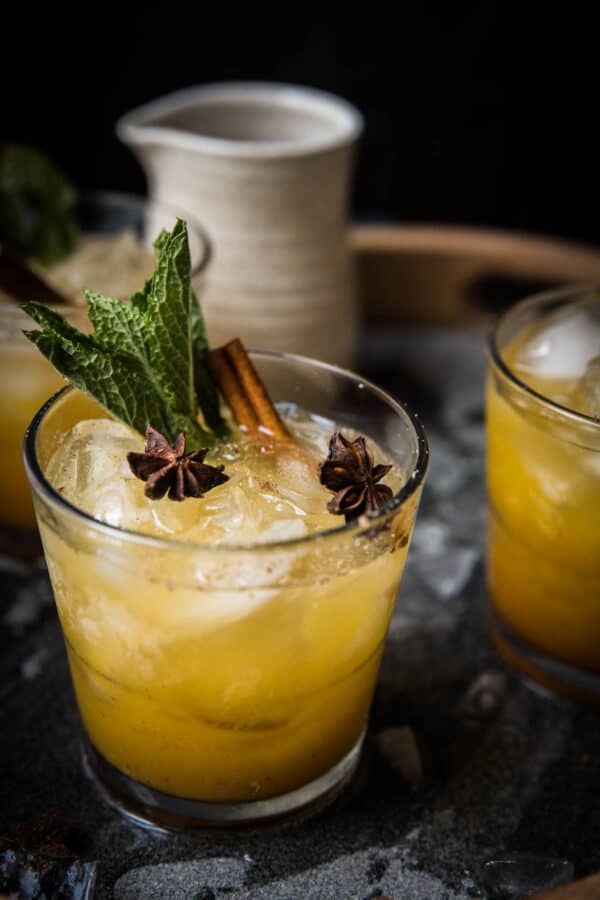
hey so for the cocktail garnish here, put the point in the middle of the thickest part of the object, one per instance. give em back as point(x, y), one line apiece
point(350, 472)
point(37, 206)
point(168, 468)
point(146, 360)
point(245, 394)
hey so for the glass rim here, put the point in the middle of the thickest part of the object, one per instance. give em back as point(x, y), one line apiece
point(357, 526)
point(127, 199)
point(570, 292)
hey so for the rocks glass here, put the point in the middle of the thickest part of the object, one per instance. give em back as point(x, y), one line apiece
point(225, 685)
point(543, 469)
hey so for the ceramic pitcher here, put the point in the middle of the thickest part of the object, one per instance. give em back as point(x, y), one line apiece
point(266, 168)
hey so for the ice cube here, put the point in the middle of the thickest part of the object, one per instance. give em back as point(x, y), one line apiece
point(586, 398)
point(298, 482)
point(564, 346)
point(451, 470)
point(282, 530)
point(197, 613)
point(520, 875)
point(90, 469)
point(91, 459)
point(312, 430)
point(115, 265)
point(229, 515)
point(444, 562)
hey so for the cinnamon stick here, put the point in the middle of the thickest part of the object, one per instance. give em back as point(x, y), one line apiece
point(244, 392)
point(225, 378)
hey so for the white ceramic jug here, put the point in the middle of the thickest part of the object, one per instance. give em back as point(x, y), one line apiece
point(266, 168)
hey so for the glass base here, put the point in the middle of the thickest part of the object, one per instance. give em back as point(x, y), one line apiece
point(556, 676)
point(159, 811)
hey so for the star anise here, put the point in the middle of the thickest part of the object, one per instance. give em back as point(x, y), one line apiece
point(168, 468)
point(350, 472)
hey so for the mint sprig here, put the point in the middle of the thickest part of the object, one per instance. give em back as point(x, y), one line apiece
point(144, 360)
point(37, 206)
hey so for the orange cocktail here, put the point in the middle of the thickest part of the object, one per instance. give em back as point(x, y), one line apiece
point(224, 652)
point(543, 414)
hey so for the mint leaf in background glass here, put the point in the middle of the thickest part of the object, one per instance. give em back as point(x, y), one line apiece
point(140, 361)
point(37, 206)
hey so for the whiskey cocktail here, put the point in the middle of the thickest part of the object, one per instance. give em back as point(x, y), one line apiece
point(543, 415)
point(224, 608)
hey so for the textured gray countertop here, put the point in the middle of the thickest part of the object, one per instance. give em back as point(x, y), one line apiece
point(463, 763)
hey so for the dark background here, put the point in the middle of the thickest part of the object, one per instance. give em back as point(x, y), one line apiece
point(482, 114)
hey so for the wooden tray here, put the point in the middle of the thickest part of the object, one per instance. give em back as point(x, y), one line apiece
point(428, 274)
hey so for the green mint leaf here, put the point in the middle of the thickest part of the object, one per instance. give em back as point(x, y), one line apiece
point(167, 322)
point(139, 300)
point(159, 241)
point(145, 360)
point(199, 337)
point(37, 205)
point(113, 379)
point(117, 325)
point(206, 391)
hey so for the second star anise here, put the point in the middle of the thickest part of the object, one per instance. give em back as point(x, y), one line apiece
point(350, 472)
point(168, 468)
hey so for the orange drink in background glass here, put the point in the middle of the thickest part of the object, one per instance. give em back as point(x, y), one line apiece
point(543, 475)
point(27, 379)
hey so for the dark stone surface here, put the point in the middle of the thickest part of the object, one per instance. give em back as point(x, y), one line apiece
point(505, 769)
